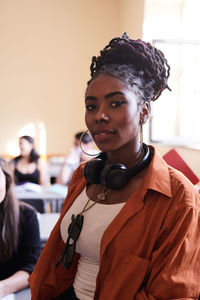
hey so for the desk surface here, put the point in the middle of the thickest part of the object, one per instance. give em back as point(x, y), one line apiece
point(35, 191)
point(45, 195)
point(23, 295)
point(47, 223)
point(54, 195)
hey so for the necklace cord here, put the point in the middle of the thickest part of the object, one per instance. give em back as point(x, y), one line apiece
point(101, 197)
point(74, 230)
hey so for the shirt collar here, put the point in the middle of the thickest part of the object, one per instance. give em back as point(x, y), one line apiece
point(157, 177)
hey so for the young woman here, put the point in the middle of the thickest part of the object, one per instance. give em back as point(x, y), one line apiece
point(28, 167)
point(129, 228)
point(20, 244)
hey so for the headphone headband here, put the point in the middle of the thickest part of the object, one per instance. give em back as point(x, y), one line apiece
point(114, 176)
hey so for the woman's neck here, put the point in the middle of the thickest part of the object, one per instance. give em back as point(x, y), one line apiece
point(25, 158)
point(128, 157)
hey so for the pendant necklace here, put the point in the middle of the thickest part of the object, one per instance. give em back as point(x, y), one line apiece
point(75, 228)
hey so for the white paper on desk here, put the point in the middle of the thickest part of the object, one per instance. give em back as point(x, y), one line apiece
point(9, 297)
point(28, 186)
point(59, 189)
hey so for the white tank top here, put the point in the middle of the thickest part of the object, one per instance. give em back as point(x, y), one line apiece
point(96, 220)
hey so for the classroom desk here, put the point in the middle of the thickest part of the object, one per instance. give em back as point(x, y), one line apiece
point(49, 197)
point(47, 223)
point(23, 295)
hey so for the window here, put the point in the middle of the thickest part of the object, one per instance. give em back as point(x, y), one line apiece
point(175, 115)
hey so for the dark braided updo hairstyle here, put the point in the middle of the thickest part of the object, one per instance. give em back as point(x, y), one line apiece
point(136, 63)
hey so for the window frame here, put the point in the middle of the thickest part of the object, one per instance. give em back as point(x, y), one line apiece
point(176, 140)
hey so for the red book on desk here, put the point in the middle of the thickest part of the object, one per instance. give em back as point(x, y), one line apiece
point(175, 160)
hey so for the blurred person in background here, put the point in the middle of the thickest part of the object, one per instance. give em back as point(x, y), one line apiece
point(20, 244)
point(28, 167)
point(76, 156)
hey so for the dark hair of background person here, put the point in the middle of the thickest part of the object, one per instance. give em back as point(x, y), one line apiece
point(128, 60)
point(9, 219)
point(86, 137)
point(34, 156)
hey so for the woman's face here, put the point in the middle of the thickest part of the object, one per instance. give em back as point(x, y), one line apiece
point(112, 114)
point(2, 185)
point(25, 147)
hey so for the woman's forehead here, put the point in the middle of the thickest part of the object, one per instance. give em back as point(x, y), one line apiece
point(106, 84)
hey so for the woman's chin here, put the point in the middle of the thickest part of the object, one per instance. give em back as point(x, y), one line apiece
point(105, 148)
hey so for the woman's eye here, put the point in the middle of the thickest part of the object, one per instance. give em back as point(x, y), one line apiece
point(90, 107)
point(117, 103)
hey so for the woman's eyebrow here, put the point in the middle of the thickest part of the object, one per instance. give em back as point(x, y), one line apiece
point(113, 94)
point(90, 98)
point(110, 95)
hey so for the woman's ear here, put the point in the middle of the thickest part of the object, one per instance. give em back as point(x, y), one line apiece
point(145, 112)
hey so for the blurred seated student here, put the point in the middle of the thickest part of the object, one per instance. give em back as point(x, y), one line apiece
point(20, 244)
point(75, 157)
point(28, 167)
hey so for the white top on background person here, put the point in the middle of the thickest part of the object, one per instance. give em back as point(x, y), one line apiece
point(75, 157)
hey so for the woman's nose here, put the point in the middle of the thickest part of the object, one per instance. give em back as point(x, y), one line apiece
point(102, 115)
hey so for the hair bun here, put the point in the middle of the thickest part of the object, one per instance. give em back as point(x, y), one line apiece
point(125, 36)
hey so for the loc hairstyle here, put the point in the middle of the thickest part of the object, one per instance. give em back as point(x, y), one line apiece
point(136, 63)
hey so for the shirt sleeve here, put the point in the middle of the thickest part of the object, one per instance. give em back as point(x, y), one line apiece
point(30, 243)
point(175, 261)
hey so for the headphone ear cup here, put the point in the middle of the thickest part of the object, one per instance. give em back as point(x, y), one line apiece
point(114, 176)
point(92, 170)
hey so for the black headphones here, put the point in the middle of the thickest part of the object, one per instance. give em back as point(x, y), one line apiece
point(114, 176)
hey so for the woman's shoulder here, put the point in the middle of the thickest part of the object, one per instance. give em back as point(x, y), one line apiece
point(29, 223)
point(183, 188)
point(27, 211)
point(78, 173)
point(177, 178)
point(41, 164)
point(14, 160)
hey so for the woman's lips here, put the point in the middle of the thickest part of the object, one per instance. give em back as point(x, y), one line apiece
point(101, 135)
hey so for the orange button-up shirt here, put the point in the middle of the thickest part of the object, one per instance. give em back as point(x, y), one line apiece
point(151, 250)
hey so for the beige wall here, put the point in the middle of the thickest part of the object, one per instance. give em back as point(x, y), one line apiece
point(45, 53)
point(132, 16)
